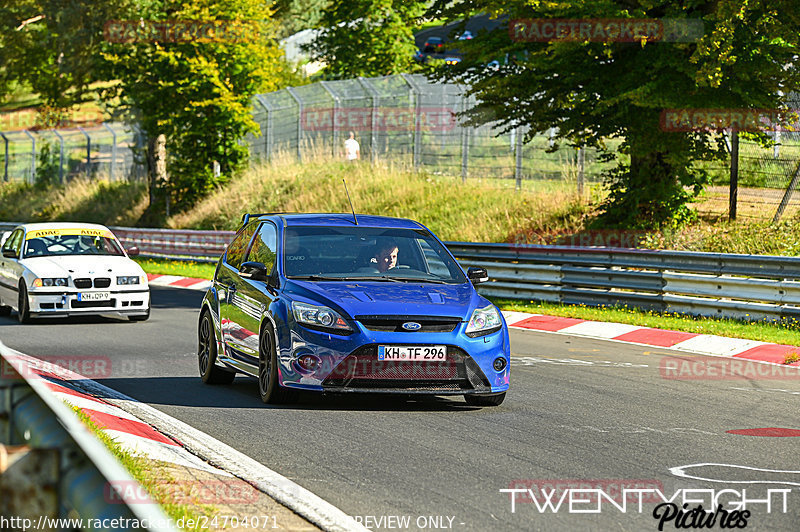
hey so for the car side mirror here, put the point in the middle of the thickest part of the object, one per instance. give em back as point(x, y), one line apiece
point(10, 254)
point(252, 270)
point(133, 251)
point(477, 275)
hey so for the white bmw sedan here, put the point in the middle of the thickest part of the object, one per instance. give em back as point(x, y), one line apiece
point(69, 269)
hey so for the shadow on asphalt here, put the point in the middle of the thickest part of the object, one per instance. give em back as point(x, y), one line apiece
point(243, 393)
point(161, 298)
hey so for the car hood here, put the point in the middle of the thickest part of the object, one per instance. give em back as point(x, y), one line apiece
point(81, 266)
point(386, 298)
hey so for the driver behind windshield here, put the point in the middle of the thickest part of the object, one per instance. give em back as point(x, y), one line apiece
point(386, 254)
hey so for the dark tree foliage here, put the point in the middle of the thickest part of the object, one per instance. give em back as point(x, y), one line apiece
point(745, 57)
point(367, 37)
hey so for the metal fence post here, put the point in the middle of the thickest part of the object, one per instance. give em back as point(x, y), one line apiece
point(336, 106)
point(268, 136)
point(581, 162)
point(113, 149)
point(299, 122)
point(518, 157)
point(5, 159)
point(33, 156)
point(88, 152)
point(464, 142)
point(373, 143)
point(734, 184)
point(418, 119)
point(787, 195)
point(60, 156)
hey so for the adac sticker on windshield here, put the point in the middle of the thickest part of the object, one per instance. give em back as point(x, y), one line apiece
point(68, 231)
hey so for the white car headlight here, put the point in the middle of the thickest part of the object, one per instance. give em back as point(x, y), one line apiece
point(484, 321)
point(318, 316)
point(50, 281)
point(128, 279)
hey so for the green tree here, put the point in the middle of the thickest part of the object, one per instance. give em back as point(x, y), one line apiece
point(198, 92)
point(591, 91)
point(298, 15)
point(368, 37)
point(54, 47)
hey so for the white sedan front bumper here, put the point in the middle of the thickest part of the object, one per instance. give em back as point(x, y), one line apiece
point(70, 302)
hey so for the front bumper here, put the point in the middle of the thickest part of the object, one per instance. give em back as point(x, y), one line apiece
point(350, 363)
point(44, 303)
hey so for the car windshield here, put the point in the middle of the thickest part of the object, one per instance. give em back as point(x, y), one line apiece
point(367, 254)
point(66, 244)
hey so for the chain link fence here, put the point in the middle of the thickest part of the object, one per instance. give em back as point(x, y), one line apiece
point(406, 119)
point(112, 151)
point(410, 121)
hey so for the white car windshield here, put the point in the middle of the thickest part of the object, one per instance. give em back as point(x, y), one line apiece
point(71, 245)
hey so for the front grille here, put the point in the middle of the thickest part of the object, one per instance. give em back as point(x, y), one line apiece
point(93, 304)
point(362, 370)
point(85, 282)
point(395, 323)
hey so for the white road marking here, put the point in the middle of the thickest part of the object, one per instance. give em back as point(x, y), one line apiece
point(598, 329)
point(680, 472)
point(532, 361)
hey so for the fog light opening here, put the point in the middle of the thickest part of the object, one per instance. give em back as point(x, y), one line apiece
point(499, 364)
point(308, 362)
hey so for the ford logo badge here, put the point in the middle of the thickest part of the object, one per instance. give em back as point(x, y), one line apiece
point(411, 326)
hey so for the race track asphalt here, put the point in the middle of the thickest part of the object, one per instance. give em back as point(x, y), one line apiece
point(580, 413)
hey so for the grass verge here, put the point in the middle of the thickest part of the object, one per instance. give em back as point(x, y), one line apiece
point(199, 270)
point(148, 475)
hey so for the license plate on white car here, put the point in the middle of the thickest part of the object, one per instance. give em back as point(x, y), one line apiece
point(412, 352)
point(94, 296)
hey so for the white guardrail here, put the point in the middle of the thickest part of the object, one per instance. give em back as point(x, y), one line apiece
point(705, 284)
point(54, 473)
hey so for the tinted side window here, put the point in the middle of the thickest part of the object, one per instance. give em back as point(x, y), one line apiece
point(237, 248)
point(14, 240)
point(265, 246)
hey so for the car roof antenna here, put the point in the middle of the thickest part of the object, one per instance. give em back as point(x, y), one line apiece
point(355, 220)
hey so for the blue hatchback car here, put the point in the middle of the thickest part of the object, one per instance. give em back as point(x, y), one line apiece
point(346, 304)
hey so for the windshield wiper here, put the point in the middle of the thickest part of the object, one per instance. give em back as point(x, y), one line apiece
point(417, 280)
point(314, 278)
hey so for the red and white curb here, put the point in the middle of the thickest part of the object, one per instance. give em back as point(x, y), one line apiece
point(128, 431)
point(704, 344)
point(175, 281)
point(144, 430)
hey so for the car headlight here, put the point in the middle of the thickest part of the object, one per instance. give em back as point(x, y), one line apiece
point(128, 279)
point(484, 321)
point(50, 281)
point(318, 316)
